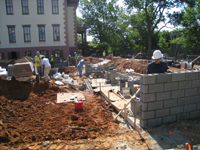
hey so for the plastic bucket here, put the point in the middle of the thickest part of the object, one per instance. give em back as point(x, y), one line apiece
point(78, 104)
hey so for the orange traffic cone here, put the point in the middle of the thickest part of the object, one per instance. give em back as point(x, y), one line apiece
point(170, 133)
point(187, 145)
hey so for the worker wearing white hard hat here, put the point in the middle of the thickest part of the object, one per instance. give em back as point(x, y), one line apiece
point(80, 67)
point(51, 60)
point(157, 66)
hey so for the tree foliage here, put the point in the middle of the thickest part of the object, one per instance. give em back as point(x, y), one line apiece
point(154, 11)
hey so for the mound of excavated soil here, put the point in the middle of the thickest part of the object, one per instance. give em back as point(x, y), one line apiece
point(34, 120)
point(92, 60)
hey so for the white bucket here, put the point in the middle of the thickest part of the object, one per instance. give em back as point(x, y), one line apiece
point(126, 91)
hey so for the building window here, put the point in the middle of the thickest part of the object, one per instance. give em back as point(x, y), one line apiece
point(56, 32)
point(54, 6)
point(9, 7)
point(27, 34)
point(41, 33)
point(57, 53)
point(43, 52)
point(40, 6)
point(25, 9)
point(28, 53)
point(11, 33)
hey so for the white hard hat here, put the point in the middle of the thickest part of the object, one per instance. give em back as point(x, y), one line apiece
point(157, 54)
point(51, 55)
point(69, 55)
point(38, 52)
point(82, 60)
point(74, 52)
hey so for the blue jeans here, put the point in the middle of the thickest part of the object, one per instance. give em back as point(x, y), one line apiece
point(80, 71)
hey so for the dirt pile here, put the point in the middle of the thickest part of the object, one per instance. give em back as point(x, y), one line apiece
point(40, 118)
point(92, 60)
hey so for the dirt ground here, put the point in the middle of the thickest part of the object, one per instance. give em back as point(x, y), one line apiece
point(30, 118)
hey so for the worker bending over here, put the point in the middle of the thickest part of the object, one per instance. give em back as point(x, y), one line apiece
point(80, 67)
point(47, 67)
point(157, 66)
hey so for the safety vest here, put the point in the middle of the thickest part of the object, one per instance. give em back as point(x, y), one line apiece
point(104, 53)
point(76, 56)
point(37, 60)
point(51, 59)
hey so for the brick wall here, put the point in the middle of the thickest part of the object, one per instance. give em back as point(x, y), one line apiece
point(169, 97)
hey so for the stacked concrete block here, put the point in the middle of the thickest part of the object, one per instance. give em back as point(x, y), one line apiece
point(10, 69)
point(169, 97)
point(107, 75)
point(88, 69)
point(114, 74)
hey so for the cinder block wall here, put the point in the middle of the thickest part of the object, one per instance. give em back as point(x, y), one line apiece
point(170, 97)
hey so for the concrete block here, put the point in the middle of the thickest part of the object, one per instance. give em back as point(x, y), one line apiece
point(198, 106)
point(147, 97)
point(194, 114)
point(162, 112)
point(171, 86)
point(163, 96)
point(154, 122)
point(195, 99)
point(177, 94)
point(148, 79)
point(164, 78)
point(183, 101)
point(143, 123)
point(195, 83)
point(155, 105)
point(191, 75)
point(190, 107)
point(10, 69)
point(176, 110)
point(183, 116)
point(185, 84)
point(191, 92)
point(148, 114)
point(144, 88)
point(144, 106)
point(170, 103)
point(168, 119)
point(155, 88)
point(178, 76)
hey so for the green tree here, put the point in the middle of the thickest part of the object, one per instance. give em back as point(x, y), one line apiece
point(100, 18)
point(164, 40)
point(154, 11)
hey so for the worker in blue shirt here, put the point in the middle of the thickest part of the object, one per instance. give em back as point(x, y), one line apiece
point(80, 67)
point(157, 66)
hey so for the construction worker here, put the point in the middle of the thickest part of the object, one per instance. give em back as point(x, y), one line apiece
point(104, 54)
point(69, 60)
point(47, 67)
point(51, 61)
point(157, 66)
point(37, 60)
point(80, 67)
point(76, 58)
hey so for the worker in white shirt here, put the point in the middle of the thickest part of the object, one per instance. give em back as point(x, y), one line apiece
point(47, 67)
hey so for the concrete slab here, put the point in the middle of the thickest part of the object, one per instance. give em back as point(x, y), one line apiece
point(67, 97)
